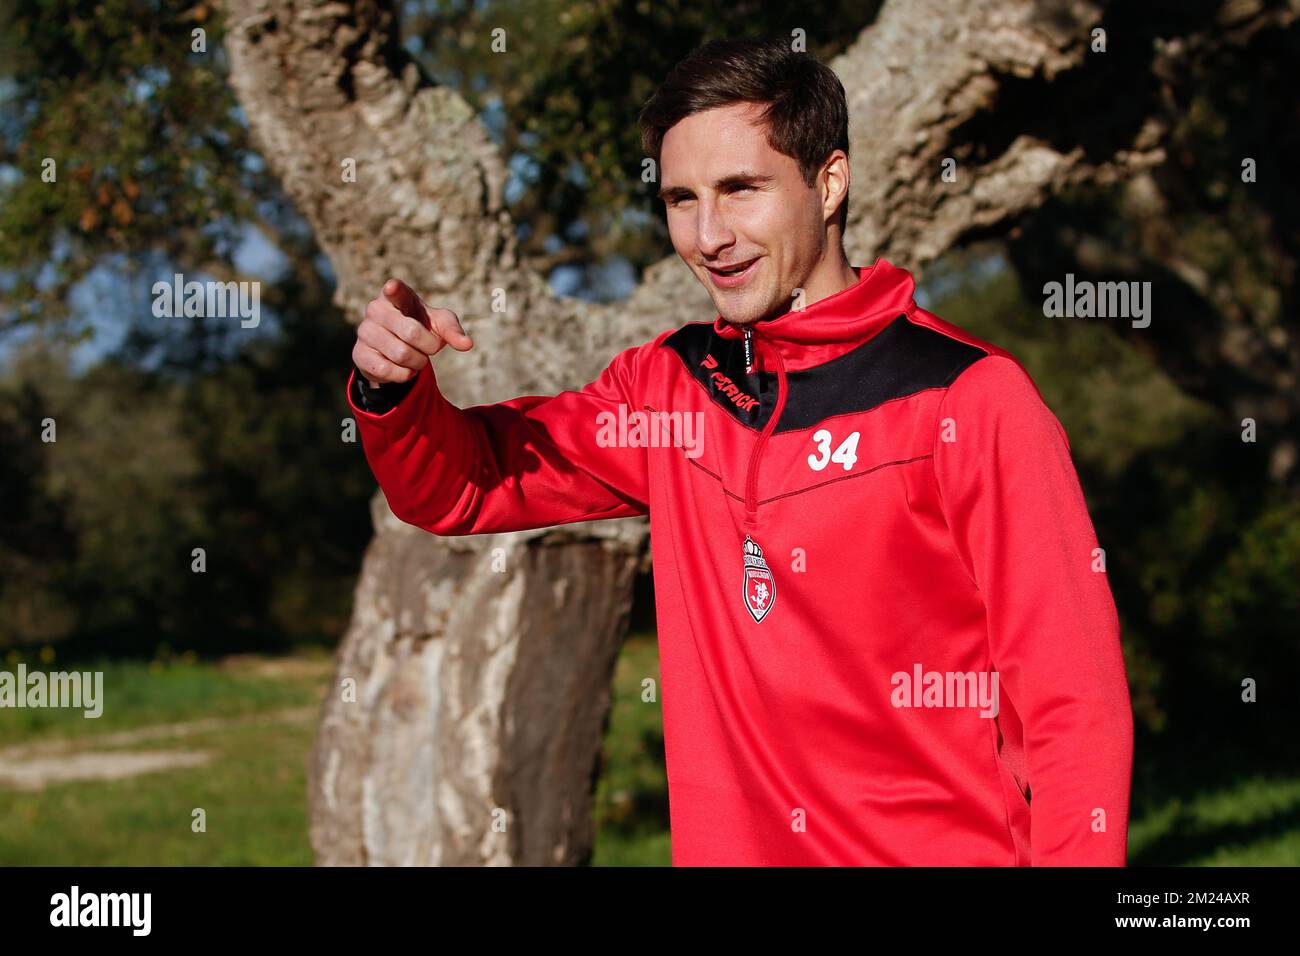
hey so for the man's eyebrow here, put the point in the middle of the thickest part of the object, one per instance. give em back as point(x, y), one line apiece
point(744, 177)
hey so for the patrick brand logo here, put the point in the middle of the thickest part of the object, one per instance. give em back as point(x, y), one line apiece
point(759, 585)
point(102, 909)
point(726, 387)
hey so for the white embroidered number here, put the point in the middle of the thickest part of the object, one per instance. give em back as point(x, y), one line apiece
point(846, 454)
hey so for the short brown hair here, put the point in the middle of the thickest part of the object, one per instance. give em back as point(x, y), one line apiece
point(807, 115)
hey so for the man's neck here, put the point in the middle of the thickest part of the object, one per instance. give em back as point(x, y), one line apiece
point(829, 277)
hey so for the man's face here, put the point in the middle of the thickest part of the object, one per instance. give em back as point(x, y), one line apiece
point(732, 200)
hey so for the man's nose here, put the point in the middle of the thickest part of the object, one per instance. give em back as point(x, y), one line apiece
point(712, 233)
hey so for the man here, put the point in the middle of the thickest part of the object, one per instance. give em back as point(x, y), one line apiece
point(885, 630)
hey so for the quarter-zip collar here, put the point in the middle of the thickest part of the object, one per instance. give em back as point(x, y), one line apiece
point(842, 321)
point(756, 456)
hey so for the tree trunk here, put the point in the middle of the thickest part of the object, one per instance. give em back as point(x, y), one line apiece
point(481, 665)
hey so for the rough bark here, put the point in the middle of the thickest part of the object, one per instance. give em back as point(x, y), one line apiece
point(481, 694)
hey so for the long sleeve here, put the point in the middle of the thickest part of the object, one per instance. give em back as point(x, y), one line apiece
point(530, 462)
point(1020, 523)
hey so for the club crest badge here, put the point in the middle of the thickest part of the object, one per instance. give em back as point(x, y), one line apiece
point(760, 586)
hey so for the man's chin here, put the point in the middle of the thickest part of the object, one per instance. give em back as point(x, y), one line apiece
point(736, 309)
point(743, 316)
point(743, 319)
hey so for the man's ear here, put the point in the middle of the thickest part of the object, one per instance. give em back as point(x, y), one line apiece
point(835, 182)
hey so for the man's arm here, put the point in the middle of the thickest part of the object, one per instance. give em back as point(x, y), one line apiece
point(1020, 524)
point(529, 462)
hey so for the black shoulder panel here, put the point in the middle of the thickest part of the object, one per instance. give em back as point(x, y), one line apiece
point(901, 359)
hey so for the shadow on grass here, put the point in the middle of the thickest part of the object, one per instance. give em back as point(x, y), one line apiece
point(1187, 838)
point(1230, 781)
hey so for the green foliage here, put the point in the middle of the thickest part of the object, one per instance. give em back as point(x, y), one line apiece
point(630, 807)
point(37, 544)
point(1217, 247)
point(150, 154)
point(245, 460)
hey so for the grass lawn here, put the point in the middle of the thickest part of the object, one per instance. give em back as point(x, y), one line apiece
point(252, 791)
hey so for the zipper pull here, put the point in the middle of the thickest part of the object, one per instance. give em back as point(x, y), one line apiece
point(749, 351)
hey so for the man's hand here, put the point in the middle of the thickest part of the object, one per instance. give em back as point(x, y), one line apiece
point(400, 334)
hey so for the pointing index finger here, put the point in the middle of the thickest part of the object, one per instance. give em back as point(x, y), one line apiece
point(443, 323)
point(405, 300)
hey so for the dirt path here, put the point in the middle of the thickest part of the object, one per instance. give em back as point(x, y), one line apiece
point(35, 766)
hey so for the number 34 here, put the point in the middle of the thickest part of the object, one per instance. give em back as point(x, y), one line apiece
point(846, 454)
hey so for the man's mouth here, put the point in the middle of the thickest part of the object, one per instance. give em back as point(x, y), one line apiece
point(731, 275)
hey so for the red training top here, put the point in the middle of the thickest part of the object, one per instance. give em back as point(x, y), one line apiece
point(885, 628)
